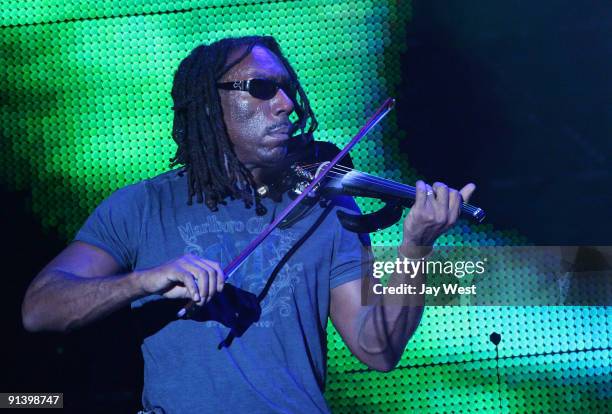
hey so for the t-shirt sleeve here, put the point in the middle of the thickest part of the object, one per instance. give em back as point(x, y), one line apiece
point(351, 250)
point(116, 224)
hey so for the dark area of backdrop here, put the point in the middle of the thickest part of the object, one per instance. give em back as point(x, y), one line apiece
point(515, 96)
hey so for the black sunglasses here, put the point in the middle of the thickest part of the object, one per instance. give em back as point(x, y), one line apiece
point(263, 89)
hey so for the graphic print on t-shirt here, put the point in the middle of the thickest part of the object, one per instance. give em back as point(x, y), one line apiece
point(222, 241)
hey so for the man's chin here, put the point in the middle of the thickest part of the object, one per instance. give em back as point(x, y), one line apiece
point(274, 156)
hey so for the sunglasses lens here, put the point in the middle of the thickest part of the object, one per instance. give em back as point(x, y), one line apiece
point(263, 88)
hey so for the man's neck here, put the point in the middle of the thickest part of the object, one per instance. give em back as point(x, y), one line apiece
point(257, 174)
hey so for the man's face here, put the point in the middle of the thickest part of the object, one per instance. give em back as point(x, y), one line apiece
point(258, 129)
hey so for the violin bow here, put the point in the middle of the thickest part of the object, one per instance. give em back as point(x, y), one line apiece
point(384, 109)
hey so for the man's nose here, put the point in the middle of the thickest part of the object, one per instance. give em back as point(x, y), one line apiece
point(282, 103)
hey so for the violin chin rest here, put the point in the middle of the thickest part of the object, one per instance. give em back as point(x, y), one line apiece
point(390, 214)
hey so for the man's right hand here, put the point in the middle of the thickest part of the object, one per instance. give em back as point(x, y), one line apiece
point(83, 284)
point(188, 277)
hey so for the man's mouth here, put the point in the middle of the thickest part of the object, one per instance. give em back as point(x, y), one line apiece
point(281, 129)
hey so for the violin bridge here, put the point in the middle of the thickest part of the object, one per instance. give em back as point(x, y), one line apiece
point(302, 179)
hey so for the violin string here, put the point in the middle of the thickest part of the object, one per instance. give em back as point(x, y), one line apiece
point(340, 171)
point(363, 177)
point(465, 206)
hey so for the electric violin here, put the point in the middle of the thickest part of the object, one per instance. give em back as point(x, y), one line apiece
point(342, 180)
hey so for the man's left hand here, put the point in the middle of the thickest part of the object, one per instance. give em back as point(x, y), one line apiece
point(435, 210)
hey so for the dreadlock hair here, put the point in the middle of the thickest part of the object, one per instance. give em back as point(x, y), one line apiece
point(204, 148)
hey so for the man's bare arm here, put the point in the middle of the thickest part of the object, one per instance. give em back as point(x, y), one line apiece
point(377, 334)
point(82, 285)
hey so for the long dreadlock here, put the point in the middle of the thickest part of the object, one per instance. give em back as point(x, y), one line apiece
point(204, 148)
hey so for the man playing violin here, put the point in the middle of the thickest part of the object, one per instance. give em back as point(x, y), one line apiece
point(149, 245)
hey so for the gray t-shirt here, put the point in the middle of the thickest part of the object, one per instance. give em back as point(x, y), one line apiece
point(278, 364)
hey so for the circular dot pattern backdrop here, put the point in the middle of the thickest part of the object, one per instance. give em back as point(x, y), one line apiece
point(86, 110)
